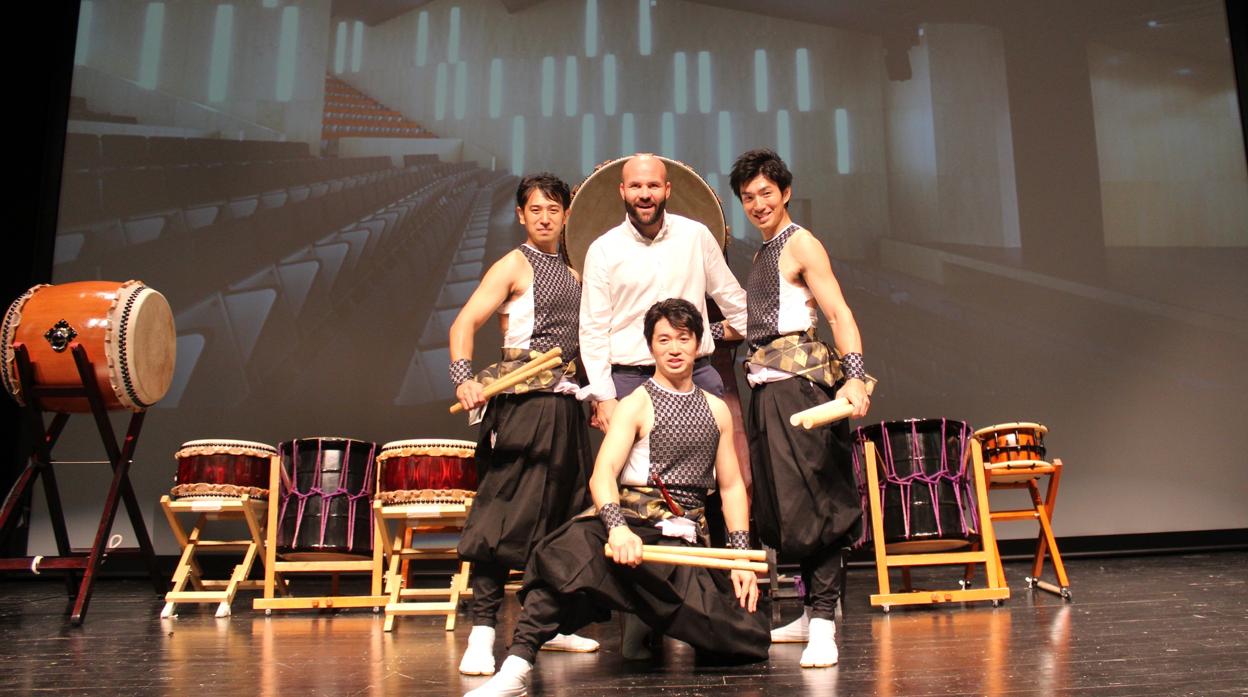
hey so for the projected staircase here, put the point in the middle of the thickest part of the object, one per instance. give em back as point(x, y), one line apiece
point(351, 113)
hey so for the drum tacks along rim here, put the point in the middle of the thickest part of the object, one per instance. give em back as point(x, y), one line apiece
point(139, 341)
point(424, 447)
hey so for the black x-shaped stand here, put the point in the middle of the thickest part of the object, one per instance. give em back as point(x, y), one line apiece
point(40, 464)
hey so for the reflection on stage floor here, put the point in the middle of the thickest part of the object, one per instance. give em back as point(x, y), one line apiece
point(1163, 625)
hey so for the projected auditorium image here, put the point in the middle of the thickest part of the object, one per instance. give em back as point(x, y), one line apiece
point(967, 321)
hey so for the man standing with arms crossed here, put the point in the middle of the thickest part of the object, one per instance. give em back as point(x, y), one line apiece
point(805, 500)
point(533, 453)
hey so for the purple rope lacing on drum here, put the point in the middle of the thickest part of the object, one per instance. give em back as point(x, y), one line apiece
point(917, 474)
point(316, 490)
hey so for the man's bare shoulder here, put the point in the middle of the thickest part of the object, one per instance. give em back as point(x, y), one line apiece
point(719, 409)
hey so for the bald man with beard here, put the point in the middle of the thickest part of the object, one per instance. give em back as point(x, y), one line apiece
point(650, 256)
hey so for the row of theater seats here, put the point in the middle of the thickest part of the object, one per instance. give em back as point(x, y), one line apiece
point(273, 223)
point(311, 312)
point(425, 378)
point(89, 196)
point(90, 151)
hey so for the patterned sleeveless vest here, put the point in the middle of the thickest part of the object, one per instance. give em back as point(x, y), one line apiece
point(683, 443)
point(762, 291)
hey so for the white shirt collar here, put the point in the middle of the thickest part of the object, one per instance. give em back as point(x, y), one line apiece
point(628, 224)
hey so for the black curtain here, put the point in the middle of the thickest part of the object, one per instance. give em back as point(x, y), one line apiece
point(42, 63)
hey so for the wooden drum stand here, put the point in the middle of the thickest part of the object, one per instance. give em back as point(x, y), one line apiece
point(40, 464)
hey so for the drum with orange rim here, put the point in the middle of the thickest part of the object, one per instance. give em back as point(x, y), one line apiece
point(597, 207)
point(126, 328)
point(1015, 444)
point(427, 470)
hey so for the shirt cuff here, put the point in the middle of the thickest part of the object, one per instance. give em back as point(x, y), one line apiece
point(598, 392)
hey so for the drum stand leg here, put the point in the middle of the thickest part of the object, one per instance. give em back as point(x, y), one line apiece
point(1046, 543)
point(188, 570)
point(394, 543)
point(120, 491)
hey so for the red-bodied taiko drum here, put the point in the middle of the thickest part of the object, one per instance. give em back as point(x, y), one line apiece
point(432, 470)
point(223, 468)
point(126, 328)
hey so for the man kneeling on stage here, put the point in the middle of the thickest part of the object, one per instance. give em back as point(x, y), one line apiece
point(667, 445)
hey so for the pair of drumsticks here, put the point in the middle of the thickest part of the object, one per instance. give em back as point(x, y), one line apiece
point(813, 417)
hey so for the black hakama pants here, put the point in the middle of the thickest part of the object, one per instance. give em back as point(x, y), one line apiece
point(570, 583)
point(533, 465)
point(805, 501)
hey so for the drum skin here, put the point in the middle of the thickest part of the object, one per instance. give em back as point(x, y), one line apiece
point(126, 328)
point(223, 468)
point(427, 465)
point(1017, 442)
point(928, 496)
point(597, 206)
point(326, 497)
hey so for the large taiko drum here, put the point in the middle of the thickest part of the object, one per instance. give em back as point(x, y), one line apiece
point(427, 471)
point(326, 496)
point(927, 489)
point(222, 468)
point(597, 206)
point(126, 328)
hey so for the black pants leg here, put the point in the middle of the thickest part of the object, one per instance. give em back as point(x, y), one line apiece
point(488, 582)
point(821, 574)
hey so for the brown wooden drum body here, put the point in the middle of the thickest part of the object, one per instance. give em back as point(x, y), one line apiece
point(427, 471)
point(1017, 444)
point(218, 467)
point(126, 328)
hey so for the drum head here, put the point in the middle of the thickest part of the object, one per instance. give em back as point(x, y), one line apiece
point(440, 447)
point(597, 206)
point(1012, 426)
point(145, 345)
point(225, 446)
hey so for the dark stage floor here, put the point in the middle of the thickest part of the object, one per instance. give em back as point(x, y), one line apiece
point(1168, 625)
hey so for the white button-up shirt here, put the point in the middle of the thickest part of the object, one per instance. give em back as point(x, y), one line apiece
point(626, 272)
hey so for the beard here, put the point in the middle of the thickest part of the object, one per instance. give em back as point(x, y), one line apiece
point(635, 216)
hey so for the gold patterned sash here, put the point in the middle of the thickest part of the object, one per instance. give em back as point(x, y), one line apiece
point(647, 503)
point(514, 359)
point(802, 355)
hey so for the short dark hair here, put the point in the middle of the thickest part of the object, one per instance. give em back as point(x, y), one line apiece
point(755, 162)
point(681, 314)
point(552, 187)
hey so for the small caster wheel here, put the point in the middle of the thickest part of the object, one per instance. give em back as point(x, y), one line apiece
point(1031, 582)
point(996, 603)
point(268, 613)
point(965, 584)
point(885, 608)
point(1066, 594)
point(376, 609)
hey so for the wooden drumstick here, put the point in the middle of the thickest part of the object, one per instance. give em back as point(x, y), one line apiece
point(827, 413)
point(678, 556)
point(709, 552)
point(546, 361)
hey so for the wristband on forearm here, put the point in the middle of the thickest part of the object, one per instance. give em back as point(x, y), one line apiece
point(461, 371)
point(738, 539)
point(717, 331)
point(611, 516)
point(852, 366)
